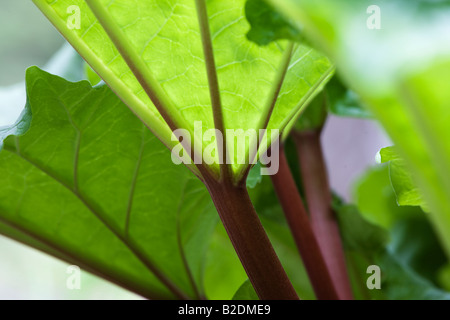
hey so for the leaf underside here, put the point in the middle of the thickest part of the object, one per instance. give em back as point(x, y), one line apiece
point(164, 38)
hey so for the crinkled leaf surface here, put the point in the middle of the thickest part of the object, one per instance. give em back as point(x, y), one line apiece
point(163, 38)
point(401, 71)
point(90, 184)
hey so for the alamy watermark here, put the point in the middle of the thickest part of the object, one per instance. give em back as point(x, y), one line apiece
point(74, 19)
point(73, 281)
point(374, 20)
point(374, 280)
point(241, 147)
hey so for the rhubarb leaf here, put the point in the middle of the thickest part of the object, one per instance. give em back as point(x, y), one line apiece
point(154, 48)
point(90, 184)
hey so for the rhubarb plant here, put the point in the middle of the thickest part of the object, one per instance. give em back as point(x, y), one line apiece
point(154, 173)
point(178, 64)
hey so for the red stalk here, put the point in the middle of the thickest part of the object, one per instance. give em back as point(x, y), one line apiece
point(250, 241)
point(301, 229)
point(323, 219)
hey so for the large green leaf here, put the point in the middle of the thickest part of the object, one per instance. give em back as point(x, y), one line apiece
point(91, 185)
point(402, 72)
point(155, 48)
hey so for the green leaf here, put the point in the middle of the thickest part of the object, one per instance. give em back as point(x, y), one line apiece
point(91, 185)
point(336, 99)
point(20, 127)
point(358, 234)
point(415, 244)
point(406, 191)
point(267, 25)
point(400, 282)
point(401, 71)
point(314, 115)
point(376, 200)
point(91, 76)
point(444, 277)
point(254, 176)
point(246, 292)
point(406, 265)
point(344, 102)
point(281, 238)
point(388, 154)
point(167, 63)
point(224, 273)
